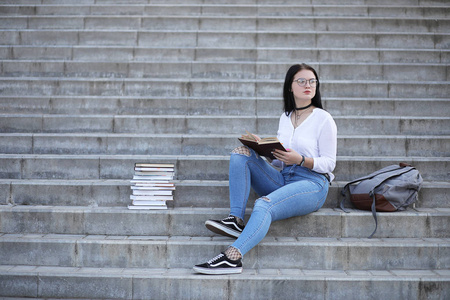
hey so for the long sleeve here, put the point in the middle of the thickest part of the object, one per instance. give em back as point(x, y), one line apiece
point(325, 161)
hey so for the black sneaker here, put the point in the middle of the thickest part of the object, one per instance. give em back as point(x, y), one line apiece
point(220, 265)
point(228, 226)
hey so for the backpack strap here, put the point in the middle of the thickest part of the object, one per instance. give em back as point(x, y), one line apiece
point(344, 193)
point(374, 212)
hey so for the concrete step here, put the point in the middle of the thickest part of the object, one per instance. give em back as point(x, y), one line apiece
point(207, 87)
point(408, 9)
point(232, 2)
point(190, 54)
point(210, 38)
point(411, 223)
point(220, 70)
point(385, 106)
point(96, 251)
point(141, 283)
point(212, 125)
point(188, 167)
point(231, 106)
point(219, 22)
point(196, 144)
point(188, 193)
point(438, 3)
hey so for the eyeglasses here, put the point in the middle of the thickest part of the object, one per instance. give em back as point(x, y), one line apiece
point(303, 81)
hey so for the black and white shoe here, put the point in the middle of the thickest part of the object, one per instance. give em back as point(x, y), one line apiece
point(220, 265)
point(228, 226)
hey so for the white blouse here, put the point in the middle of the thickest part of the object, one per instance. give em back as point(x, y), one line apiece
point(315, 137)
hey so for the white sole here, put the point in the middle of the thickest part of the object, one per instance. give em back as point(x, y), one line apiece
point(218, 271)
point(219, 229)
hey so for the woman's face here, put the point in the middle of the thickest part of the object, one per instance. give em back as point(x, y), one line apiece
point(307, 92)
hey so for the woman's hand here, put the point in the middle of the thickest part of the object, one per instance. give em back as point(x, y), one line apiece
point(289, 157)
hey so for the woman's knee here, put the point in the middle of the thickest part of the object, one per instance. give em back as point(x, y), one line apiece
point(243, 150)
point(262, 203)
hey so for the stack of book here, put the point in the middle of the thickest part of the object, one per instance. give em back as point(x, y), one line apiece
point(152, 186)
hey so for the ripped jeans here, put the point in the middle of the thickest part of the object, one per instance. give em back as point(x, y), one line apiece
point(295, 191)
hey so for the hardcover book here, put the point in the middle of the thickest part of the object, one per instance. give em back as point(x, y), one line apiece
point(264, 146)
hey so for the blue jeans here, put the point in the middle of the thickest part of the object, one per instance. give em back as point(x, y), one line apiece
point(295, 191)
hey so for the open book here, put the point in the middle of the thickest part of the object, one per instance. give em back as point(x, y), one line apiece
point(263, 147)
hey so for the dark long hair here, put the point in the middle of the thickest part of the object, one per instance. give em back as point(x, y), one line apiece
point(288, 95)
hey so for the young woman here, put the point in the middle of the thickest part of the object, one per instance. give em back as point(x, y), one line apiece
point(309, 135)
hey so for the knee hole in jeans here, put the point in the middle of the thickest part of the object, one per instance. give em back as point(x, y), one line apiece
point(264, 198)
point(242, 150)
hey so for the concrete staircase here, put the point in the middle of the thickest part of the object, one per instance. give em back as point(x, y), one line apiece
point(89, 87)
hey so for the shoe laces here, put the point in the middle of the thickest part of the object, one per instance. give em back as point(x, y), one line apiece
point(216, 258)
point(232, 218)
point(235, 220)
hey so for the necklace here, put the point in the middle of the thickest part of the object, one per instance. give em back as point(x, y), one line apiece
point(298, 116)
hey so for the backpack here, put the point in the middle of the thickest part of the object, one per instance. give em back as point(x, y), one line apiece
point(389, 189)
